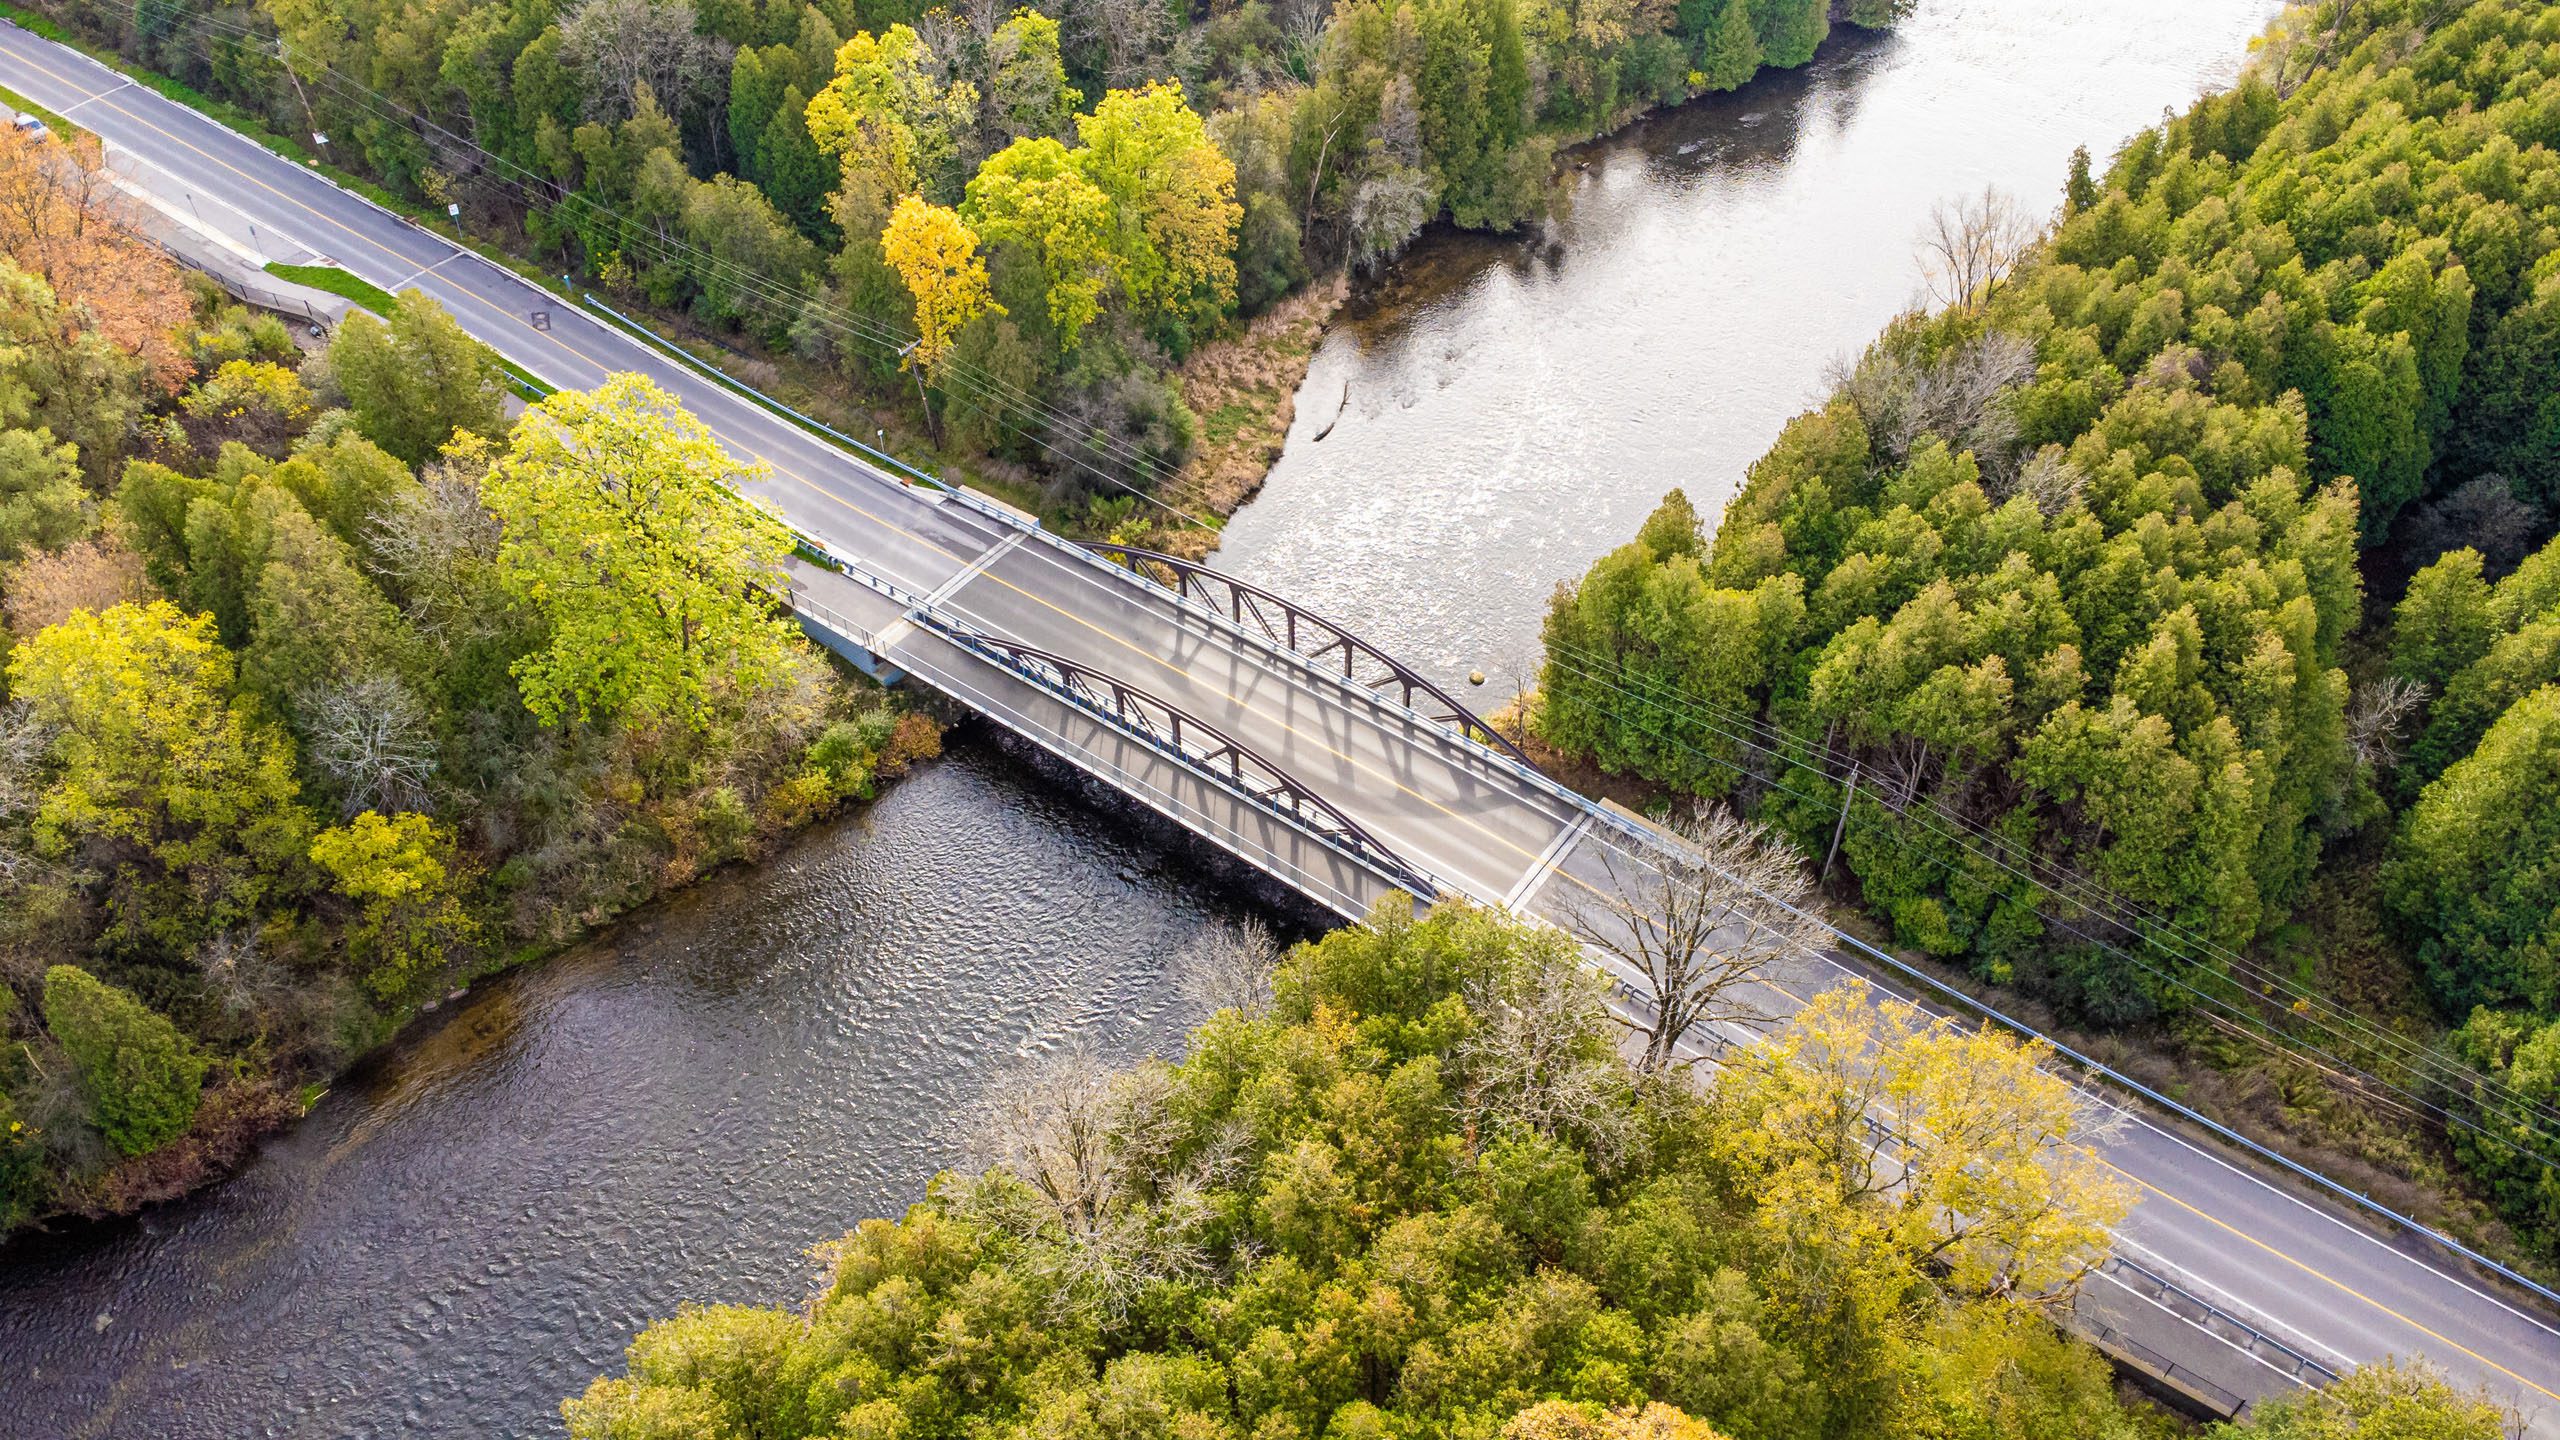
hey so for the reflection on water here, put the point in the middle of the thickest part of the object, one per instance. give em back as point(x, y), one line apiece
point(464, 1234)
point(1515, 406)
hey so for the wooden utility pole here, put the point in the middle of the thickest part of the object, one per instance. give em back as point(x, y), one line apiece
point(1847, 796)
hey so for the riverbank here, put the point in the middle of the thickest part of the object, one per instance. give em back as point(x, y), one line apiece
point(244, 1109)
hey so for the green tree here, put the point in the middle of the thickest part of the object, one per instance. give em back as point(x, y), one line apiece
point(1173, 206)
point(414, 382)
point(2444, 623)
point(795, 175)
point(1031, 194)
point(755, 97)
point(2385, 1401)
point(2475, 864)
point(1028, 96)
point(1790, 30)
point(894, 120)
point(1419, 1194)
point(404, 874)
point(624, 529)
point(140, 1076)
point(42, 503)
point(182, 801)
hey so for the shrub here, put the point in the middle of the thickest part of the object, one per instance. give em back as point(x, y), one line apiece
point(140, 1076)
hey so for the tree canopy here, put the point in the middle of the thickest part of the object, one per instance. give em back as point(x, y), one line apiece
point(622, 524)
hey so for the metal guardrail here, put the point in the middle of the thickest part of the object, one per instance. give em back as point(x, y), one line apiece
point(248, 293)
point(1219, 759)
point(2207, 1316)
point(1306, 634)
point(2115, 1341)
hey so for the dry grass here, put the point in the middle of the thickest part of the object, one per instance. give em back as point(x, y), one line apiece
point(1245, 391)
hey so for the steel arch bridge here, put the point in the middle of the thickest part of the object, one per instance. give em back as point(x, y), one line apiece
point(1308, 635)
point(1195, 742)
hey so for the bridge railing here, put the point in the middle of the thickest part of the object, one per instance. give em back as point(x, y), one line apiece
point(1194, 745)
point(1217, 829)
point(2213, 1319)
point(1538, 780)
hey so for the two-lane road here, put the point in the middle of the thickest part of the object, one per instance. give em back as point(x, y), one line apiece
point(2297, 1268)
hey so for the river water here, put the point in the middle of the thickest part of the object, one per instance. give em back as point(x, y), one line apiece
point(472, 1227)
point(1515, 407)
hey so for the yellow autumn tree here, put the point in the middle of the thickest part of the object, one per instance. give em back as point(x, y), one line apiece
point(892, 122)
point(1962, 1150)
point(404, 873)
point(936, 253)
point(1173, 198)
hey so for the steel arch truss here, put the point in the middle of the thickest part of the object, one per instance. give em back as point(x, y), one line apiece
point(1196, 743)
point(1304, 633)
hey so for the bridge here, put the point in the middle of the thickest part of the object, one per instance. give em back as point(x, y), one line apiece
point(1283, 739)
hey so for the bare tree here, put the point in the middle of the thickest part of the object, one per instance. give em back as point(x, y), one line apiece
point(242, 976)
point(1699, 920)
point(428, 540)
point(626, 47)
point(2376, 717)
point(1080, 1161)
point(1229, 968)
point(46, 586)
point(1960, 396)
point(2050, 480)
point(1302, 25)
point(1969, 246)
point(1049, 1125)
point(372, 736)
point(1541, 1055)
point(22, 745)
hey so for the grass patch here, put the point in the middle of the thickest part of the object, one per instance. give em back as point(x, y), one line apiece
point(1221, 424)
point(52, 121)
point(339, 283)
point(382, 302)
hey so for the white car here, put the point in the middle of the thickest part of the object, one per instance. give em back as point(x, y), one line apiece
point(29, 126)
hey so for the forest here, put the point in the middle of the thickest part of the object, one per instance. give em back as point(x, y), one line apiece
point(2163, 622)
point(1016, 223)
point(329, 687)
point(1404, 1184)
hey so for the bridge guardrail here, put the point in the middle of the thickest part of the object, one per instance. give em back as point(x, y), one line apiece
point(1207, 826)
point(2213, 1318)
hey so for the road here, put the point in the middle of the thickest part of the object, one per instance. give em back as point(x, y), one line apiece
point(2299, 1268)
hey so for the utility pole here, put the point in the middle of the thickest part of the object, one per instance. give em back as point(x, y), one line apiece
point(906, 357)
point(1847, 796)
point(308, 117)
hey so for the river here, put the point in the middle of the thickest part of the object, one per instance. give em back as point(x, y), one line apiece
point(1515, 407)
point(472, 1226)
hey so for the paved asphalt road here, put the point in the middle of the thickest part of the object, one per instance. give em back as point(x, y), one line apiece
point(2297, 1268)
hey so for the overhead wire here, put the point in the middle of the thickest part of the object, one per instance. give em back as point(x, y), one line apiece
point(535, 190)
point(2093, 896)
point(2275, 1042)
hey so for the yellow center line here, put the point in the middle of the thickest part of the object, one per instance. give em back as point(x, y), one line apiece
point(1319, 742)
point(2344, 1288)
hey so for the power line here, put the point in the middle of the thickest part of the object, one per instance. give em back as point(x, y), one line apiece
point(2245, 1017)
point(2458, 1074)
point(538, 192)
point(2092, 895)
